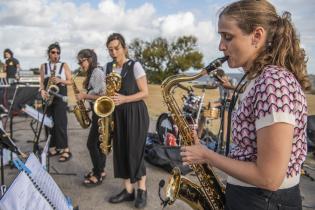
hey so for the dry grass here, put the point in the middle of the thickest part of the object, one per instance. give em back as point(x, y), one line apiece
point(156, 104)
point(155, 101)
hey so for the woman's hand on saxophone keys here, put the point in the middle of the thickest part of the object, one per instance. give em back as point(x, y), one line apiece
point(44, 94)
point(80, 96)
point(119, 99)
point(56, 80)
point(196, 153)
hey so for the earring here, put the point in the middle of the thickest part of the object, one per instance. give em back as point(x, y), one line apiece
point(255, 44)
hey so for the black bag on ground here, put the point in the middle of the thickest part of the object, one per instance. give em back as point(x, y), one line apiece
point(311, 131)
point(165, 157)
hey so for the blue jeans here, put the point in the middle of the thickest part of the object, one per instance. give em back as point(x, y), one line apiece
point(252, 198)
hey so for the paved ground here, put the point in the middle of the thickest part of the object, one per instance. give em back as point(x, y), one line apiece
point(96, 198)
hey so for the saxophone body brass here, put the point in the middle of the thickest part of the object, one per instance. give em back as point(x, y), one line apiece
point(51, 86)
point(104, 107)
point(79, 110)
point(211, 192)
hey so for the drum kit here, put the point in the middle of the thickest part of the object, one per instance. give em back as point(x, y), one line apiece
point(193, 110)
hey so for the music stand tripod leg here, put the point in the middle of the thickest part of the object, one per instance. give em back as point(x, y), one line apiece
point(36, 147)
point(2, 166)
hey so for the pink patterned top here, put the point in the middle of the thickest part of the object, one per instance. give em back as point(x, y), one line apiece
point(274, 96)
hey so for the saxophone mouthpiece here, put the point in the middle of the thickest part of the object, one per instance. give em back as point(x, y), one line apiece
point(216, 63)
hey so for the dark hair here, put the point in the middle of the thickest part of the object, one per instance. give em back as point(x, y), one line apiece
point(53, 46)
point(282, 47)
point(91, 57)
point(7, 51)
point(120, 38)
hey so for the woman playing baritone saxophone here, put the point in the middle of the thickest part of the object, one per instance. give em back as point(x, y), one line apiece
point(58, 108)
point(269, 125)
point(94, 83)
point(131, 123)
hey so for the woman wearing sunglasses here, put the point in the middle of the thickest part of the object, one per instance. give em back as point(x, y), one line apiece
point(59, 74)
point(94, 84)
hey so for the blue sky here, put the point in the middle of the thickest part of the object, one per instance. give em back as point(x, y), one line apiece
point(29, 26)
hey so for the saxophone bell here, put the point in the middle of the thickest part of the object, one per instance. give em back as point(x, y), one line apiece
point(104, 106)
point(53, 89)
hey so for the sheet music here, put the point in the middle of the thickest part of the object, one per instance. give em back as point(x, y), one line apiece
point(46, 183)
point(38, 116)
point(23, 195)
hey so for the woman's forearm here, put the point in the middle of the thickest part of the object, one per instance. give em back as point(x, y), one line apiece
point(136, 97)
point(248, 172)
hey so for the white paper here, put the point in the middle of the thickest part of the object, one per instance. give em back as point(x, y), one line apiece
point(46, 183)
point(37, 190)
point(38, 115)
point(23, 195)
point(44, 153)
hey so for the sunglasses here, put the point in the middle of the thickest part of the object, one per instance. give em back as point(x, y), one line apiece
point(81, 61)
point(55, 52)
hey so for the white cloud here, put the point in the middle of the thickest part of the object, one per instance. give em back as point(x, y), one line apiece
point(29, 26)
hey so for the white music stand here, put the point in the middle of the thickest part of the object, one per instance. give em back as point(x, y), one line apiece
point(38, 116)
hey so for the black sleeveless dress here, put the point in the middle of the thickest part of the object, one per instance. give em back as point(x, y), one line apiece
point(131, 121)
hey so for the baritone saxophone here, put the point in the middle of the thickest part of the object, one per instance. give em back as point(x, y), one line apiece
point(211, 193)
point(104, 107)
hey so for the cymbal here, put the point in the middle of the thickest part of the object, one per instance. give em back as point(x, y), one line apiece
point(205, 86)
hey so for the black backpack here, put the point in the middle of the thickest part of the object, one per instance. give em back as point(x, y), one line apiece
point(165, 157)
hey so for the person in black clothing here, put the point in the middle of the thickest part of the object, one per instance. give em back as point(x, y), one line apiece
point(11, 65)
point(131, 122)
point(94, 83)
point(58, 109)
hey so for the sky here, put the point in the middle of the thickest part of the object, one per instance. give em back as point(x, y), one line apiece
point(27, 27)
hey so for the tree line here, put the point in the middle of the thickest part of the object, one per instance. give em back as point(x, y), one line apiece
point(162, 58)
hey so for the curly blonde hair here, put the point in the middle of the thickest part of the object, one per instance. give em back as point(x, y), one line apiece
point(282, 47)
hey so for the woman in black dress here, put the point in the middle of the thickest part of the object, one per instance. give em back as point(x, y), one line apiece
point(131, 122)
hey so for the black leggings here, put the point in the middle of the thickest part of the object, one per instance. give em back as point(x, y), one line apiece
point(93, 145)
point(251, 198)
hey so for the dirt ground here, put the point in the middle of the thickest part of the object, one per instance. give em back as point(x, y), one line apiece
point(96, 198)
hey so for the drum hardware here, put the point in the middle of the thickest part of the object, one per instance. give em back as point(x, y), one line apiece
point(191, 104)
point(212, 113)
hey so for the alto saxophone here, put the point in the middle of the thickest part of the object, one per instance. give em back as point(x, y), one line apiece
point(104, 107)
point(79, 109)
point(211, 193)
point(51, 87)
